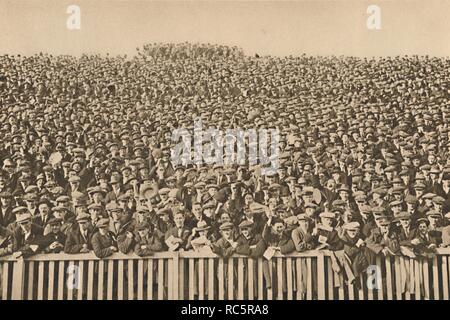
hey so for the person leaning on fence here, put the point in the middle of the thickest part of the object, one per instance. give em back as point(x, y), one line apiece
point(27, 237)
point(176, 237)
point(200, 237)
point(382, 241)
point(355, 248)
point(146, 242)
point(122, 227)
point(103, 242)
point(424, 243)
point(248, 241)
point(324, 235)
point(79, 237)
point(55, 239)
point(301, 236)
point(226, 245)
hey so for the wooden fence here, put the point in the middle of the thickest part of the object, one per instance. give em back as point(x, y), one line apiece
point(191, 275)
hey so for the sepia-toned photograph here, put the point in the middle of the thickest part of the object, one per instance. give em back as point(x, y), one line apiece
point(224, 150)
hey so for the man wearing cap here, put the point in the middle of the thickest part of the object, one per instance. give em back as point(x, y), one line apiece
point(27, 237)
point(247, 240)
point(146, 242)
point(324, 235)
point(54, 240)
point(355, 248)
point(405, 233)
point(45, 213)
point(424, 243)
point(122, 227)
point(226, 245)
point(274, 235)
point(382, 241)
point(79, 237)
point(116, 191)
point(103, 241)
point(301, 236)
point(67, 219)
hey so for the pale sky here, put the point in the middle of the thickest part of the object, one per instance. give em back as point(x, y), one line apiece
point(276, 28)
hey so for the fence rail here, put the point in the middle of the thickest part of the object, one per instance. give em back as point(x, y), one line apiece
point(192, 275)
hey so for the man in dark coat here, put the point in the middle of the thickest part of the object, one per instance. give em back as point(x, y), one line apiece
point(54, 241)
point(27, 237)
point(79, 238)
point(103, 242)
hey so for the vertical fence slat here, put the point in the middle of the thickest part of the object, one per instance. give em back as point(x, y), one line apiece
point(18, 277)
point(411, 276)
point(201, 279)
point(131, 280)
point(280, 278)
point(80, 288)
point(5, 279)
point(405, 264)
point(320, 276)
point(150, 280)
point(398, 279)
point(426, 278)
point(210, 279)
point(389, 284)
point(417, 284)
point(289, 278)
point(174, 266)
point(221, 276)
point(110, 279)
point(230, 276)
point(270, 290)
point(70, 276)
point(61, 283)
point(260, 279)
point(191, 279)
point(90, 280)
point(120, 276)
point(341, 291)
point(160, 279)
point(299, 273)
point(140, 280)
point(380, 291)
point(31, 280)
point(101, 273)
point(330, 280)
point(435, 279)
point(51, 279)
point(251, 279)
point(445, 278)
point(240, 294)
point(309, 289)
point(181, 279)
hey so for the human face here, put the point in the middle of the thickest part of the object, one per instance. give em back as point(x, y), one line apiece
point(227, 233)
point(278, 228)
point(423, 228)
point(179, 220)
point(43, 209)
